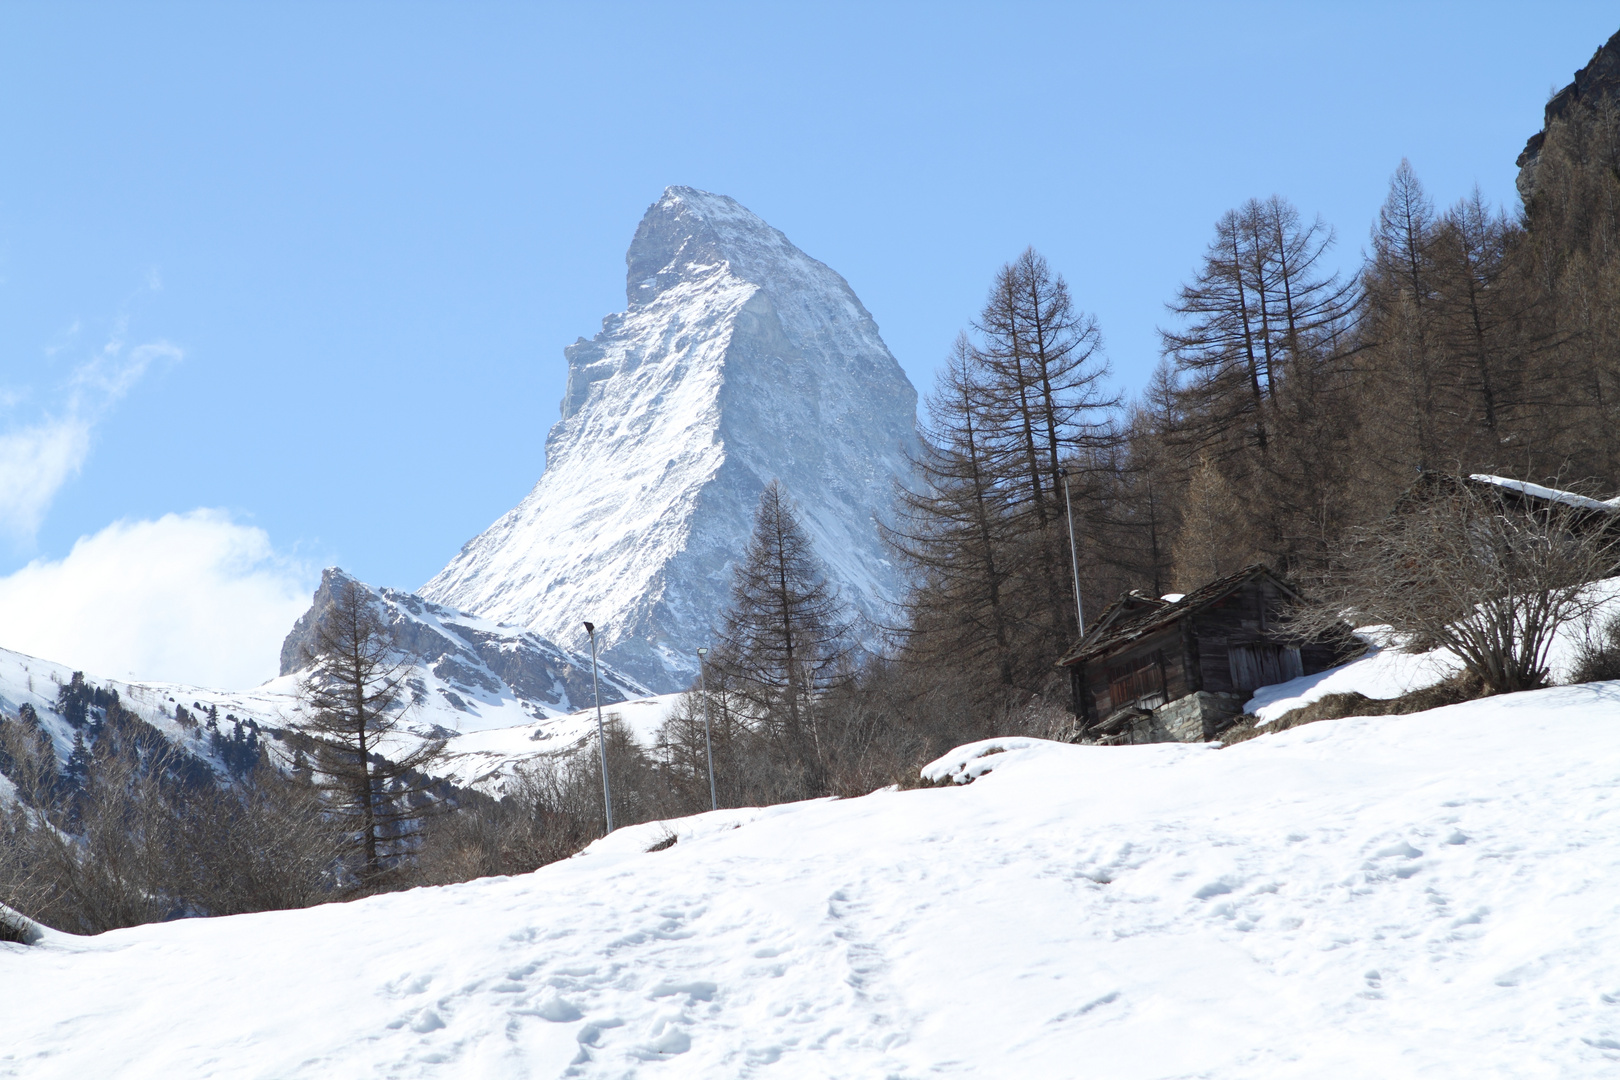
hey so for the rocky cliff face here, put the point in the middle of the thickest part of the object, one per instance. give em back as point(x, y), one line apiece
point(469, 674)
point(1595, 84)
point(738, 360)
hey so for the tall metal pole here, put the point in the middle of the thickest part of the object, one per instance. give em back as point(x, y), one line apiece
point(1074, 555)
point(601, 736)
point(708, 741)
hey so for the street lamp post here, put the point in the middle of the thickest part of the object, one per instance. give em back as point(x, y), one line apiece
point(601, 736)
point(708, 740)
point(1074, 556)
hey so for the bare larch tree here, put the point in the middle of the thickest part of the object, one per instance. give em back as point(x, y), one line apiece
point(351, 693)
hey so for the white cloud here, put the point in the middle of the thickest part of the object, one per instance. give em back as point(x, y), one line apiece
point(193, 598)
point(37, 458)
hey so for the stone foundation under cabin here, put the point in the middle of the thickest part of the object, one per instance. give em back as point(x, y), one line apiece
point(1198, 717)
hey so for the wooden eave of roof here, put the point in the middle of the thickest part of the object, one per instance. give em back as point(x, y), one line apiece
point(1104, 637)
point(1116, 617)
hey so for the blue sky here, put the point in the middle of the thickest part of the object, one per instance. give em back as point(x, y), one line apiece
point(310, 268)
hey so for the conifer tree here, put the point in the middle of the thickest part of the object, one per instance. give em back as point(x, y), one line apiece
point(1400, 312)
point(1042, 372)
point(352, 701)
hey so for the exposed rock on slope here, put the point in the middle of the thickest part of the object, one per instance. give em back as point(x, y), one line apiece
point(739, 359)
point(1595, 84)
point(469, 674)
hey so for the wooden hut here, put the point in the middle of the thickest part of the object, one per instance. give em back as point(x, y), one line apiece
point(1154, 669)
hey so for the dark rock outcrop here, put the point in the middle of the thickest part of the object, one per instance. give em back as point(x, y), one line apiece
point(1595, 84)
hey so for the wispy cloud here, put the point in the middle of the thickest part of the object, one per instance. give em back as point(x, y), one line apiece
point(44, 443)
point(34, 464)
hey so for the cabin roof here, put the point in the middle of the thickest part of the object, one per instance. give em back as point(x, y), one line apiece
point(1434, 483)
point(1547, 494)
point(1136, 615)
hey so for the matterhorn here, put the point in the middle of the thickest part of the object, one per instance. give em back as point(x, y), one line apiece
point(739, 360)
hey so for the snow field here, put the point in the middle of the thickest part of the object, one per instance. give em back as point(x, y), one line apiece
point(1427, 895)
point(487, 759)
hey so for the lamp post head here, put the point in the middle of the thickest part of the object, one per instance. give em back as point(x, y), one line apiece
point(703, 652)
point(590, 628)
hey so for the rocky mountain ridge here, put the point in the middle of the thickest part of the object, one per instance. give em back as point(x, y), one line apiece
point(468, 674)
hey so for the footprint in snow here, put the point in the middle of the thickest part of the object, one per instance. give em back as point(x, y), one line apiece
point(427, 1020)
point(694, 991)
point(553, 1007)
point(1096, 1003)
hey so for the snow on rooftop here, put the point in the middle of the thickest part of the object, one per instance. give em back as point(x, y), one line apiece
point(1390, 896)
point(1568, 498)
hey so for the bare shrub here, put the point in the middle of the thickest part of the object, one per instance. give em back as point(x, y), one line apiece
point(1597, 657)
point(552, 807)
point(1475, 570)
point(872, 729)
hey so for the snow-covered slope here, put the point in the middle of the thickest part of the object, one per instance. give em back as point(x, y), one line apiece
point(739, 360)
point(28, 680)
point(487, 759)
point(1387, 671)
point(1428, 895)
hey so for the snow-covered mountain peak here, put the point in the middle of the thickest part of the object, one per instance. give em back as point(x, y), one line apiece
point(739, 360)
point(690, 235)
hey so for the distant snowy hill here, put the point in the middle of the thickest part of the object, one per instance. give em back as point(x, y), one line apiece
point(501, 694)
point(739, 359)
point(1426, 895)
point(28, 680)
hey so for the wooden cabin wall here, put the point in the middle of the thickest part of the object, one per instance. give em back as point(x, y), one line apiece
point(1251, 614)
point(1197, 648)
point(1243, 616)
point(1167, 641)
